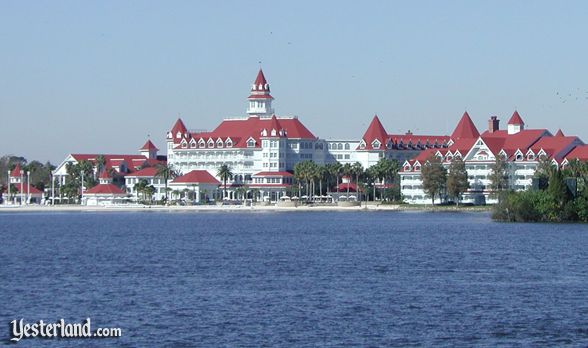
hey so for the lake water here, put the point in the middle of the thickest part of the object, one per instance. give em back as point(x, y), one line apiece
point(296, 279)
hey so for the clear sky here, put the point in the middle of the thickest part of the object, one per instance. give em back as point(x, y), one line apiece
point(100, 76)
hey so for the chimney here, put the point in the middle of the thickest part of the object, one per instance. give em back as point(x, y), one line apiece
point(493, 124)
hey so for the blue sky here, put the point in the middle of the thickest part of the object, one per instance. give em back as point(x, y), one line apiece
point(82, 76)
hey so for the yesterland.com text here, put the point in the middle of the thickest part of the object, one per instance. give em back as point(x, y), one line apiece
point(20, 329)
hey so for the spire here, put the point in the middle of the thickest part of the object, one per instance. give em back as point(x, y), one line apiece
point(515, 124)
point(149, 146)
point(178, 131)
point(559, 133)
point(16, 171)
point(516, 119)
point(260, 83)
point(375, 131)
point(260, 99)
point(465, 128)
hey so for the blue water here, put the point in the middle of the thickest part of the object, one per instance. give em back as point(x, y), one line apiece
point(296, 279)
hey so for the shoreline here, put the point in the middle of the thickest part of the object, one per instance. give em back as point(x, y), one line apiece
point(236, 208)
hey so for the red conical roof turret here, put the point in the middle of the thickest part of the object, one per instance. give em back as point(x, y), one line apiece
point(149, 146)
point(516, 119)
point(16, 171)
point(375, 131)
point(465, 129)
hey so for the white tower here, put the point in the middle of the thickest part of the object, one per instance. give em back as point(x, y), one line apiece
point(260, 100)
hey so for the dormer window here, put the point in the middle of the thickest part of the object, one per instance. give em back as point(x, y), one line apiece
point(219, 143)
point(376, 144)
point(229, 142)
point(178, 135)
point(417, 167)
point(264, 133)
point(201, 143)
point(251, 142)
point(362, 145)
point(273, 133)
point(519, 157)
point(184, 145)
point(192, 143)
point(210, 143)
point(530, 157)
point(406, 168)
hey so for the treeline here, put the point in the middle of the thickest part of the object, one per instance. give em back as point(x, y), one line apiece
point(557, 196)
point(378, 181)
point(40, 173)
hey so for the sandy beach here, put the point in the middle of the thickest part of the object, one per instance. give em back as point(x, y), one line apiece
point(229, 208)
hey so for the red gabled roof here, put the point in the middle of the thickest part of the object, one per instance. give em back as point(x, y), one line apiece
point(149, 146)
point(132, 161)
point(579, 152)
point(104, 189)
point(273, 174)
point(148, 172)
point(196, 177)
point(32, 190)
point(16, 171)
point(104, 175)
point(342, 187)
point(240, 130)
point(559, 133)
point(555, 147)
point(375, 131)
point(516, 119)
point(465, 128)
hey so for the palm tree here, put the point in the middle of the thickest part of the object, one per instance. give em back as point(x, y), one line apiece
point(166, 172)
point(140, 187)
point(357, 169)
point(100, 163)
point(224, 173)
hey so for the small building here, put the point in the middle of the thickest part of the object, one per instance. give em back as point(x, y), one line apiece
point(24, 193)
point(149, 174)
point(105, 193)
point(196, 186)
point(271, 185)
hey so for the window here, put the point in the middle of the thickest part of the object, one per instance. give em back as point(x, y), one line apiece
point(210, 143)
point(347, 156)
point(347, 147)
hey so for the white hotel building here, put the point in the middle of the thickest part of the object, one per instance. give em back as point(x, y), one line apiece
point(521, 148)
point(262, 148)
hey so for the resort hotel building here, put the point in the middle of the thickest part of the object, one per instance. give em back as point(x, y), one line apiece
point(261, 149)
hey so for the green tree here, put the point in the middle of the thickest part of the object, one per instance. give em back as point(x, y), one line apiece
point(457, 179)
point(224, 173)
point(434, 177)
point(357, 169)
point(348, 172)
point(498, 177)
point(166, 172)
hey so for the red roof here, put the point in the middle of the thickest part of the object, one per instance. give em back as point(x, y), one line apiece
point(465, 128)
point(113, 161)
point(559, 133)
point(105, 189)
point(579, 152)
point(260, 80)
point(16, 171)
point(273, 174)
point(343, 187)
point(556, 147)
point(148, 172)
point(196, 177)
point(178, 127)
point(149, 146)
point(31, 189)
point(240, 130)
point(104, 175)
point(375, 131)
point(516, 119)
